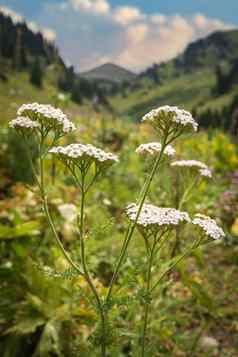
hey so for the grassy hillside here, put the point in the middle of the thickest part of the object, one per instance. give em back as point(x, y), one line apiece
point(18, 90)
point(190, 80)
point(188, 91)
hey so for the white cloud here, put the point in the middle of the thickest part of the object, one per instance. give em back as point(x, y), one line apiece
point(162, 38)
point(96, 6)
point(158, 19)
point(33, 26)
point(91, 32)
point(202, 23)
point(48, 34)
point(125, 15)
point(137, 33)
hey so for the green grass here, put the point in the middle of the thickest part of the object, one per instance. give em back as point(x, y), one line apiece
point(218, 103)
point(18, 90)
point(186, 91)
point(190, 91)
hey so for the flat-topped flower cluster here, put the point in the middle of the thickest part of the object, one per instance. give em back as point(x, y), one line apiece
point(79, 152)
point(163, 117)
point(154, 148)
point(23, 123)
point(209, 226)
point(151, 215)
point(46, 115)
point(189, 163)
point(202, 168)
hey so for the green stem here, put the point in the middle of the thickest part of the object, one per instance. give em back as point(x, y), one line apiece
point(86, 272)
point(132, 226)
point(177, 261)
point(57, 239)
point(176, 247)
point(31, 162)
point(147, 303)
point(50, 220)
point(41, 185)
point(186, 193)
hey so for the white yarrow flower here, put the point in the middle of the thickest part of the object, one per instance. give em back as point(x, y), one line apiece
point(154, 149)
point(23, 123)
point(77, 152)
point(47, 115)
point(200, 166)
point(166, 116)
point(152, 216)
point(189, 163)
point(209, 226)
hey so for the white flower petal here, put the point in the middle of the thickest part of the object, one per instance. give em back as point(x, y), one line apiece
point(209, 226)
point(172, 114)
point(151, 215)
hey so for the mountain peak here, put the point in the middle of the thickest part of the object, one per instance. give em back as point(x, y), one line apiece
point(109, 72)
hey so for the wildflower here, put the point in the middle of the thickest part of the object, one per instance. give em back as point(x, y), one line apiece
point(154, 149)
point(47, 116)
point(78, 154)
point(209, 226)
point(194, 164)
point(154, 217)
point(189, 163)
point(206, 173)
point(170, 119)
point(23, 123)
point(68, 211)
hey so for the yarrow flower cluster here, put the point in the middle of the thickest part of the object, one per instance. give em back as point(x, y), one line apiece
point(76, 153)
point(209, 226)
point(202, 168)
point(154, 149)
point(166, 116)
point(23, 123)
point(47, 115)
point(152, 216)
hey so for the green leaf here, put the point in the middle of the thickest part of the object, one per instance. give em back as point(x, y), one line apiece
point(49, 343)
point(26, 326)
point(201, 294)
point(21, 230)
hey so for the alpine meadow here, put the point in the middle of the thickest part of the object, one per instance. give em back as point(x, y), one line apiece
point(118, 179)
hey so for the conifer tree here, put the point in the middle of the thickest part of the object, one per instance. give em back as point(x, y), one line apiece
point(36, 74)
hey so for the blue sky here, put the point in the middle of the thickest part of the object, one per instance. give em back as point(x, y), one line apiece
point(132, 33)
point(226, 10)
